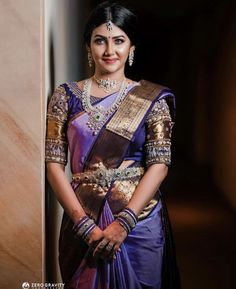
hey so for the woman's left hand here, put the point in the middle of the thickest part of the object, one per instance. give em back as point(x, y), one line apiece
point(113, 236)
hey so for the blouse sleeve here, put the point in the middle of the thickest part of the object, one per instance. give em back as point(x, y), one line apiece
point(158, 138)
point(56, 146)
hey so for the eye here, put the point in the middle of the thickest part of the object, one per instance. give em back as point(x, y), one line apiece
point(119, 40)
point(99, 41)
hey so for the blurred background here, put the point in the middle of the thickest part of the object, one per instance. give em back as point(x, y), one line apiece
point(189, 46)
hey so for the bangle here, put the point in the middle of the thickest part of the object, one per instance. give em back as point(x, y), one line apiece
point(84, 227)
point(127, 219)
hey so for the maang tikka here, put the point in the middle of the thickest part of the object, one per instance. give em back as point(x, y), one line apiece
point(109, 22)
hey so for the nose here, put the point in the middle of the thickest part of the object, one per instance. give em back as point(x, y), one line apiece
point(109, 48)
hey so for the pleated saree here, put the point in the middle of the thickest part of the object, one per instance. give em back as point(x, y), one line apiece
point(138, 131)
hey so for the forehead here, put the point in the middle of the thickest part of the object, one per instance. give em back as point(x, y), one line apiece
point(102, 30)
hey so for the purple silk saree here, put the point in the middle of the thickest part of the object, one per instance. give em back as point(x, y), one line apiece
point(147, 258)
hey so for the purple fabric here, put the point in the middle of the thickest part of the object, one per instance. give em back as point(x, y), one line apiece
point(144, 246)
point(137, 266)
point(80, 137)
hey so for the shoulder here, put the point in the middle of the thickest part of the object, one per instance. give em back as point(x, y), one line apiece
point(151, 90)
point(149, 84)
point(164, 102)
point(160, 109)
point(80, 84)
point(69, 90)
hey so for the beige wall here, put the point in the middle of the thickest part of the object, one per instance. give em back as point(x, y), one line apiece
point(21, 144)
point(64, 61)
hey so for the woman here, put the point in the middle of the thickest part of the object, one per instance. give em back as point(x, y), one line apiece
point(115, 231)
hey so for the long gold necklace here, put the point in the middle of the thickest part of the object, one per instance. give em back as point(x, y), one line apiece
point(97, 114)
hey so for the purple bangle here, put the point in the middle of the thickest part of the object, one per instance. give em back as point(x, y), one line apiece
point(127, 219)
point(124, 224)
point(83, 227)
point(88, 231)
point(79, 224)
point(132, 214)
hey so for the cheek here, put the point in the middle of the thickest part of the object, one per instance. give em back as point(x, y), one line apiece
point(124, 51)
point(96, 52)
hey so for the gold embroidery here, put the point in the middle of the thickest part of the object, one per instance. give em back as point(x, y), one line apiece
point(55, 129)
point(91, 198)
point(129, 115)
point(56, 144)
point(93, 186)
point(133, 109)
point(121, 194)
point(56, 151)
point(58, 106)
point(159, 127)
point(104, 177)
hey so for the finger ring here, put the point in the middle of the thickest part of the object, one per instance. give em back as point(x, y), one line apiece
point(102, 245)
point(109, 247)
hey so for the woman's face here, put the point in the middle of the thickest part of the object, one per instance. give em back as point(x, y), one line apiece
point(109, 49)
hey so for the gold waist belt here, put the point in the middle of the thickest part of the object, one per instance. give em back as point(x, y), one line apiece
point(104, 177)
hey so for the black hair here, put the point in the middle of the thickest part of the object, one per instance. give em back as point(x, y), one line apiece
point(122, 17)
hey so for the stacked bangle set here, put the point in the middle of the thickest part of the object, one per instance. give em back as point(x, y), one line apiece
point(84, 227)
point(126, 218)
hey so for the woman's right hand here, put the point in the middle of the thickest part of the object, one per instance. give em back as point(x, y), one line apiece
point(94, 237)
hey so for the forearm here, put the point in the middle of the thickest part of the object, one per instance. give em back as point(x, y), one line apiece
point(147, 187)
point(64, 192)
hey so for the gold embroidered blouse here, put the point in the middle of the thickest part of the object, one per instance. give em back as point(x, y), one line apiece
point(56, 141)
point(158, 138)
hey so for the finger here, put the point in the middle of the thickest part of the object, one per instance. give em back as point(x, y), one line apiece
point(100, 247)
point(112, 255)
point(117, 248)
point(109, 247)
point(107, 250)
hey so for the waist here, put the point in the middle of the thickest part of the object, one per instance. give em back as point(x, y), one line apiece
point(104, 177)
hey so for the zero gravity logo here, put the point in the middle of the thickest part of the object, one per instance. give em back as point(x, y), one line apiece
point(27, 285)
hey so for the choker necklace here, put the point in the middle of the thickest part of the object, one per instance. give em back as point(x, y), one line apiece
point(97, 114)
point(107, 84)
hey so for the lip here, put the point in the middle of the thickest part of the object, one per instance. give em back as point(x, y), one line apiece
point(110, 60)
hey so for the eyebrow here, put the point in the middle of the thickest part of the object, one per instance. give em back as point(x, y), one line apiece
point(102, 36)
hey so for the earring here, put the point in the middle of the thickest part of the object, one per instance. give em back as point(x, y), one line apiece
point(131, 57)
point(90, 59)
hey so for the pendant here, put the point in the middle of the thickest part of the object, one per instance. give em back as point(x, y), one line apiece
point(98, 116)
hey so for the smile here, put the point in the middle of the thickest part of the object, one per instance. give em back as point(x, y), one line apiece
point(110, 61)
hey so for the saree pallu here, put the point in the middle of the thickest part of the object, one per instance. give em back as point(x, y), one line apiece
point(147, 257)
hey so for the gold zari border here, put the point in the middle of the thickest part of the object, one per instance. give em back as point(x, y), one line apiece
point(133, 109)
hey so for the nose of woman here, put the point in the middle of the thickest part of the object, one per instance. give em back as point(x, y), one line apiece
point(109, 48)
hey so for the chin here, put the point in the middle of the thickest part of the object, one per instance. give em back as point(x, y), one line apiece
point(110, 70)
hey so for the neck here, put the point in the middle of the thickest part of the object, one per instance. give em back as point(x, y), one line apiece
point(119, 75)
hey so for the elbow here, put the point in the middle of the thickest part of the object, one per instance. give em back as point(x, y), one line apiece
point(159, 169)
point(164, 170)
point(53, 168)
point(48, 171)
